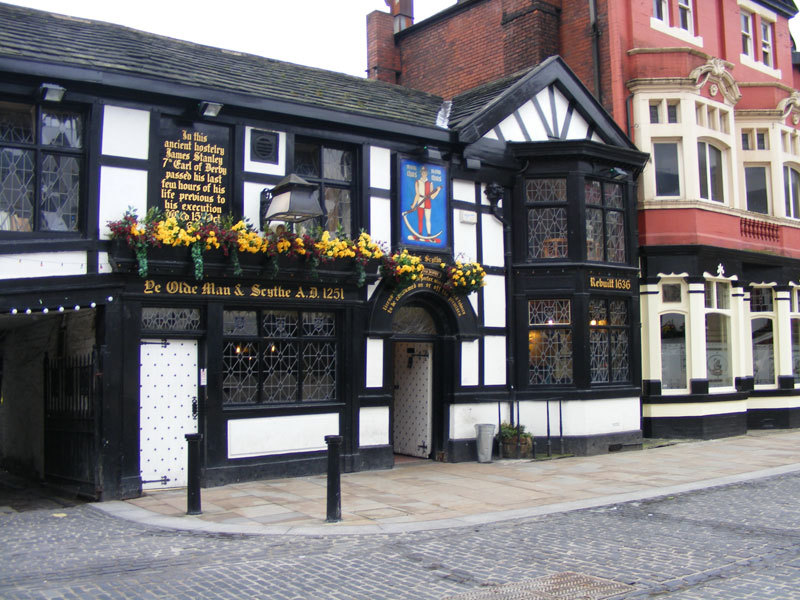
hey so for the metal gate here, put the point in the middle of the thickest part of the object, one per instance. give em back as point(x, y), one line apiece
point(71, 423)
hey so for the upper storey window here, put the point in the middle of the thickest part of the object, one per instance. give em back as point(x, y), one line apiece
point(758, 37)
point(41, 161)
point(546, 200)
point(748, 47)
point(605, 221)
point(677, 18)
point(332, 169)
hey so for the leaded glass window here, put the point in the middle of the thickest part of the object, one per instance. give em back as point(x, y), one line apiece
point(550, 360)
point(41, 163)
point(546, 201)
point(170, 319)
point(761, 300)
point(413, 320)
point(609, 341)
point(332, 169)
point(279, 356)
point(605, 221)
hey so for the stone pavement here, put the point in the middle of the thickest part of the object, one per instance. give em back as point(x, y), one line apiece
point(427, 495)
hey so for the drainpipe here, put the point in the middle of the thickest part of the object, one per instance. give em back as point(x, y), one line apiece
point(494, 193)
point(595, 33)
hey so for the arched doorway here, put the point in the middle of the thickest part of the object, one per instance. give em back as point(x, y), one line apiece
point(414, 365)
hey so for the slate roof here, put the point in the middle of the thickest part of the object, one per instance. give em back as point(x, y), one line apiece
point(56, 39)
point(479, 98)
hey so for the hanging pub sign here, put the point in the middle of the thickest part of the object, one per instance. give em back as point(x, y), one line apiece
point(423, 205)
point(195, 170)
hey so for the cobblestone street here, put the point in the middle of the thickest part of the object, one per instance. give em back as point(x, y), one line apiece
point(738, 541)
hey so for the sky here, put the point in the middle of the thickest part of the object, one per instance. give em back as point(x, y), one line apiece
point(329, 34)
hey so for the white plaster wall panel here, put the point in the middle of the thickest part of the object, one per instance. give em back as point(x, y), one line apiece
point(251, 209)
point(42, 264)
point(533, 122)
point(374, 368)
point(510, 129)
point(492, 231)
point(465, 237)
point(464, 417)
point(490, 135)
point(470, 362)
point(373, 426)
point(562, 106)
point(473, 300)
point(494, 301)
point(254, 166)
point(380, 168)
point(463, 190)
point(577, 127)
point(126, 132)
point(103, 266)
point(119, 190)
point(601, 416)
point(597, 138)
point(380, 220)
point(494, 360)
point(371, 290)
point(280, 435)
point(588, 417)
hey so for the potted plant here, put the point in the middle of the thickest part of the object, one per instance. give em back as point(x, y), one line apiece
point(509, 436)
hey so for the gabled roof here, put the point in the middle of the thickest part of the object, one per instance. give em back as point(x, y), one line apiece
point(96, 46)
point(548, 102)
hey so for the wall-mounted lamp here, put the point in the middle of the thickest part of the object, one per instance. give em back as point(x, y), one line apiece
point(614, 173)
point(51, 92)
point(432, 153)
point(293, 200)
point(209, 109)
point(493, 193)
point(473, 163)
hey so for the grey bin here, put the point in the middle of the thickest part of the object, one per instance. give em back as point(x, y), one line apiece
point(484, 434)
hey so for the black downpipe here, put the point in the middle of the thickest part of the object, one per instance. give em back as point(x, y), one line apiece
point(494, 193)
point(598, 91)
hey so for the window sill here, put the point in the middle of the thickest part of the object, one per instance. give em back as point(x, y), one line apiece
point(749, 61)
point(676, 32)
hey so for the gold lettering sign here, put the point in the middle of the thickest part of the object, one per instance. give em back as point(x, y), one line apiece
point(430, 279)
point(610, 283)
point(194, 171)
point(238, 290)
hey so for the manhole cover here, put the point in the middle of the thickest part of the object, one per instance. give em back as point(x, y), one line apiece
point(561, 586)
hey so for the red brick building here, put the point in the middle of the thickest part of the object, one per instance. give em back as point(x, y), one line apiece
point(709, 90)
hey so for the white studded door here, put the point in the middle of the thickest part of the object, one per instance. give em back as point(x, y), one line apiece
point(413, 407)
point(167, 396)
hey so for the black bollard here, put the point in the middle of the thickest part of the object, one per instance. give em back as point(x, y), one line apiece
point(334, 478)
point(193, 474)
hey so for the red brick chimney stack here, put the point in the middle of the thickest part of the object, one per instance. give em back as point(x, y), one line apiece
point(383, 57)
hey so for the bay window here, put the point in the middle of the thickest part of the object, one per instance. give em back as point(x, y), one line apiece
point(791, 186)
point(550, 342)
point(665, 157)
point(756, 187)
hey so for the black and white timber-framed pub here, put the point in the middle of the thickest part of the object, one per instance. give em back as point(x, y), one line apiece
point(105, 369)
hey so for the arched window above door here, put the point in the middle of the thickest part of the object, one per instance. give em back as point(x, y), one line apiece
point(413, 320)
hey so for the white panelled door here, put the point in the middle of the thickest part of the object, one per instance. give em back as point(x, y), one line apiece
point(167, 394)
point(412, 426)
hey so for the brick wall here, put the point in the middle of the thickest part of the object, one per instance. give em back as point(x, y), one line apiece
point(478, 42)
